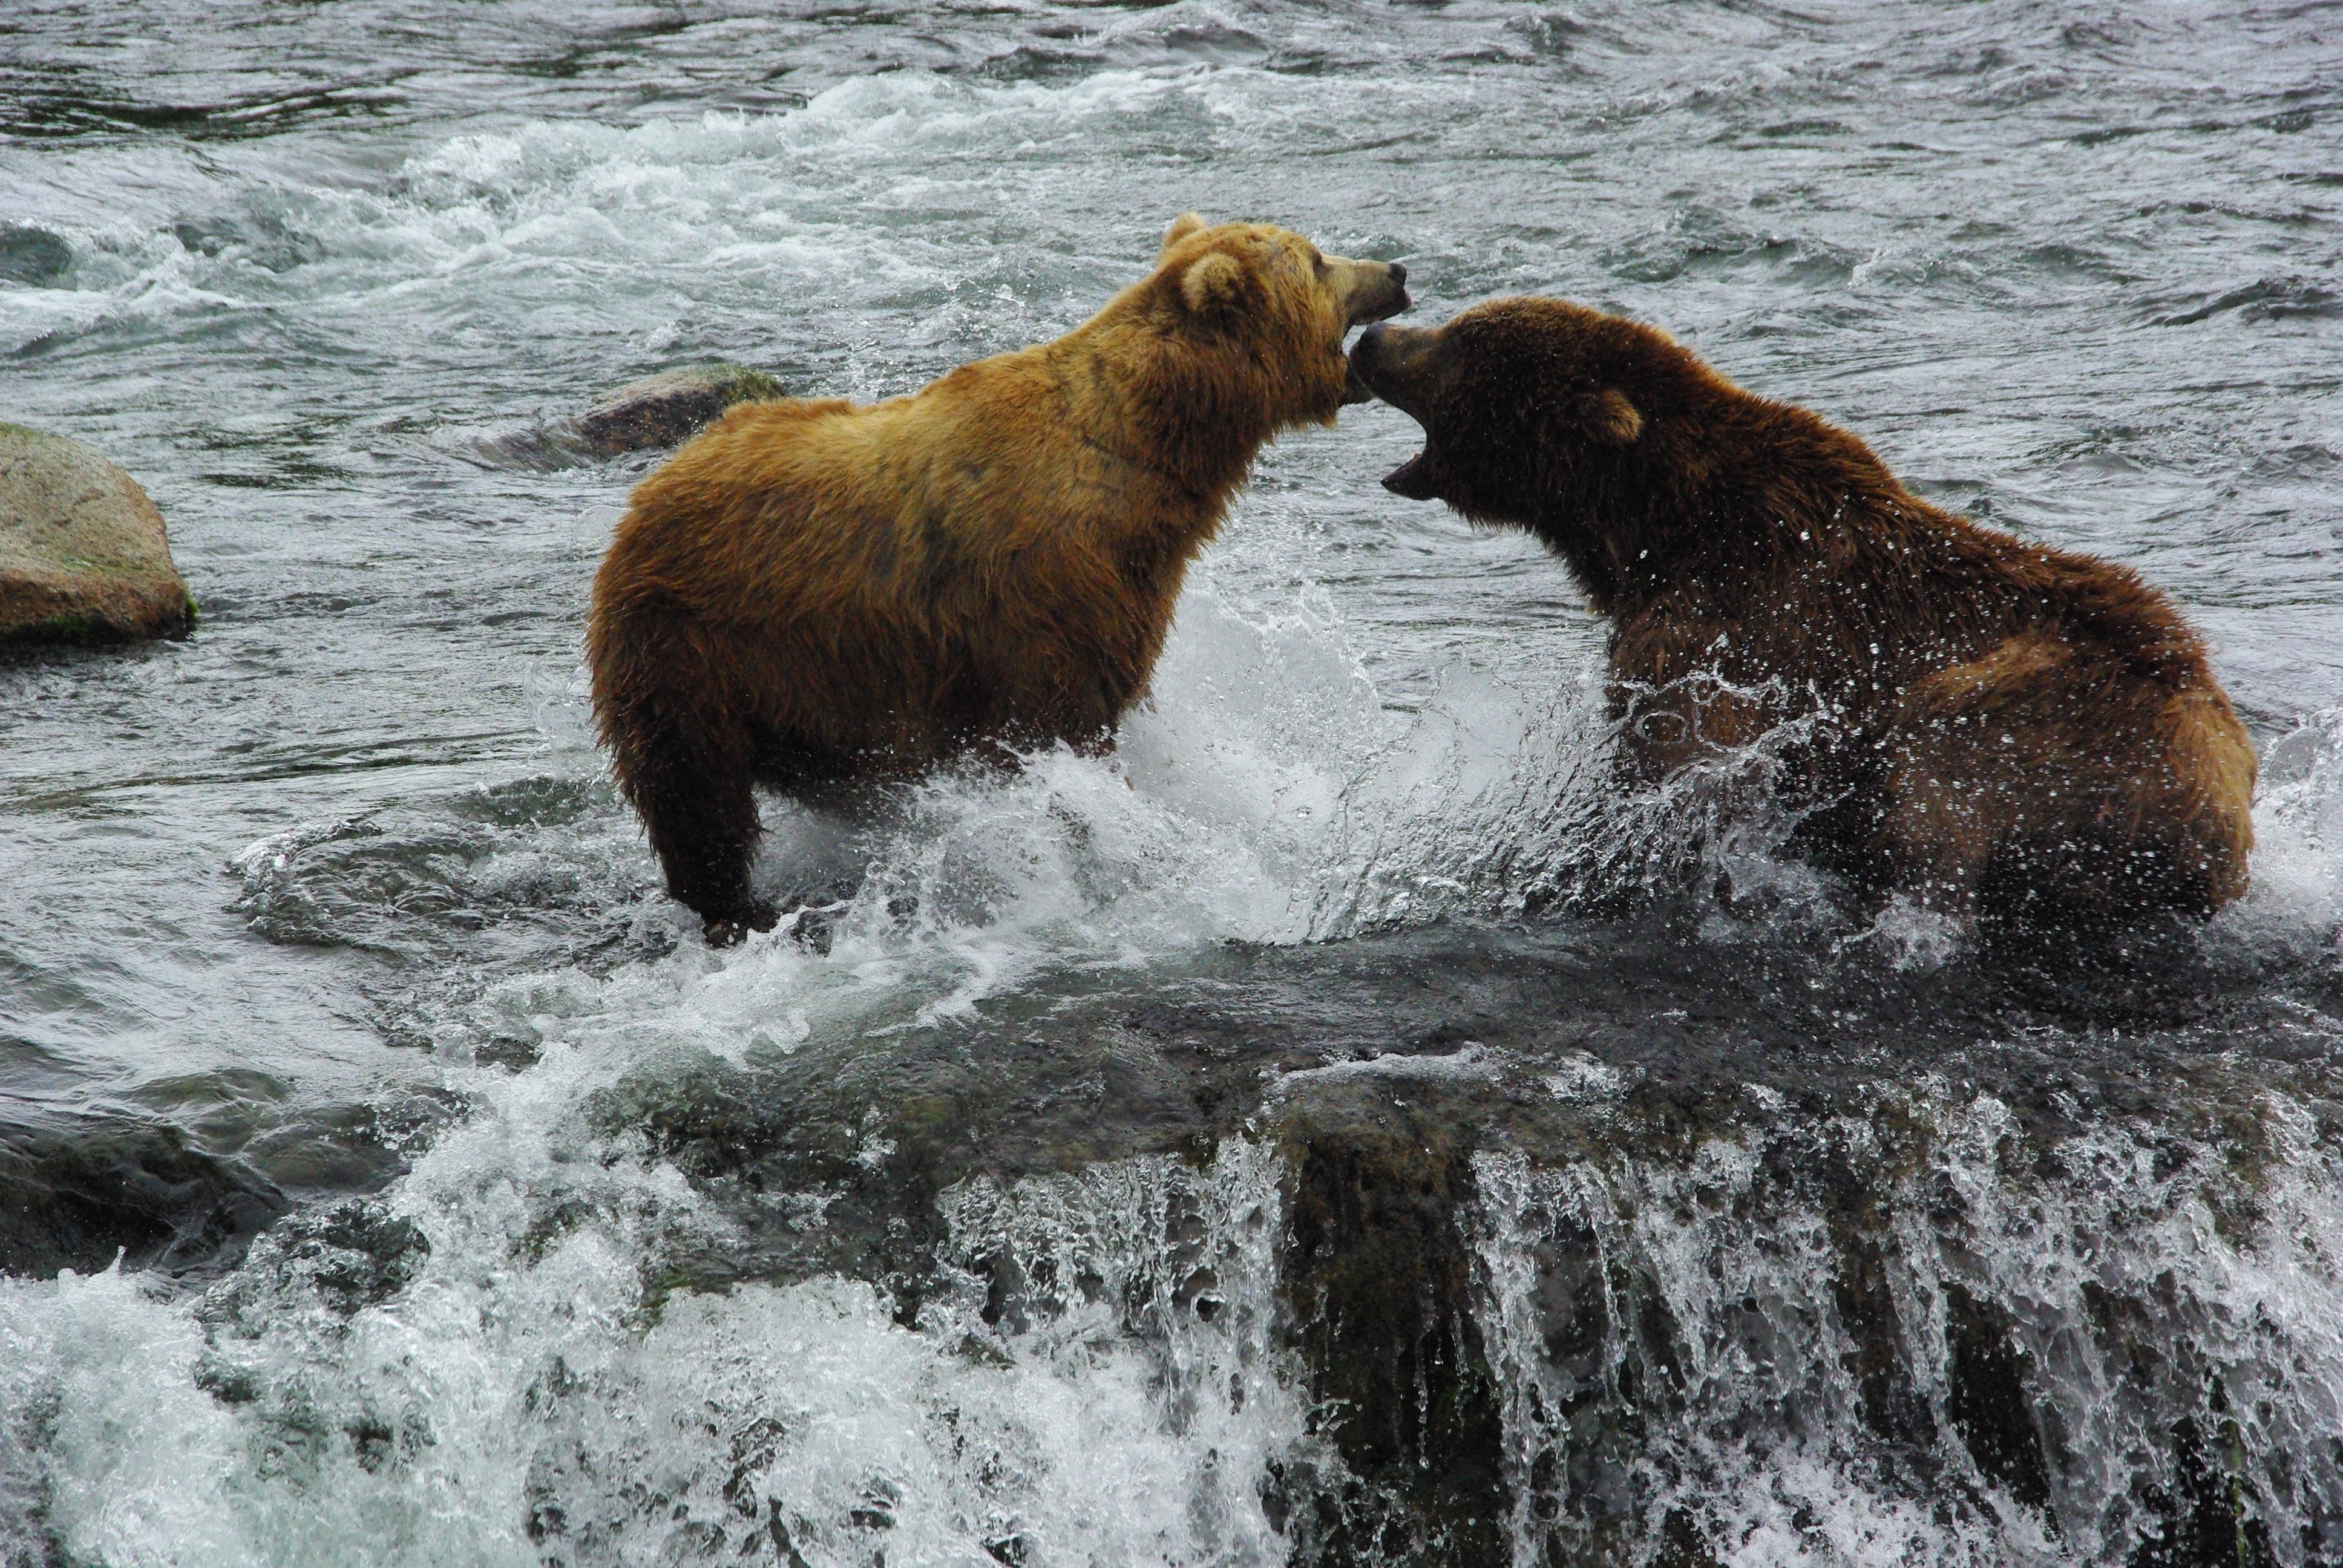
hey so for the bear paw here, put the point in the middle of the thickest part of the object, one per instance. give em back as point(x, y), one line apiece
point(728, 930)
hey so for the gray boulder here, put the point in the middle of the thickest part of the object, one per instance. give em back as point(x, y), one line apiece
point(661, 411)
point(83, 554)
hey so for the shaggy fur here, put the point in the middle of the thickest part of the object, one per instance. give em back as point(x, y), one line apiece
point(2020, 730)
point(814, 595)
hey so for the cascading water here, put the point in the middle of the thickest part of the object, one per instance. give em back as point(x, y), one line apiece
point(1340, 1127)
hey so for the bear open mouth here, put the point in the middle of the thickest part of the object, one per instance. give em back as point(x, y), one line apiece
point(1412, 478)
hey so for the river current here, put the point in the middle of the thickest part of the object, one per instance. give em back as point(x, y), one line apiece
point(1340, 1128)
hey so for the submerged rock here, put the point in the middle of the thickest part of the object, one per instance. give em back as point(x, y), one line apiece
point(33, 256)
point(345, 1257)
point(661, 411)
point(669, 407)
point(1379, 1279)
point(84, 557)
point(75, 1194)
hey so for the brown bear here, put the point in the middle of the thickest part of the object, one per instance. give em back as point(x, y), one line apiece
point(2008, 730)
point(814, 595)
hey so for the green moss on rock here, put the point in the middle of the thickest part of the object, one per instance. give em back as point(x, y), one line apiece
point(672, 406)
point(58, 630)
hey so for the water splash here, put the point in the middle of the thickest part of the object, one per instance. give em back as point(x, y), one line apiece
point(1093, 1371)
point(1913, 1340)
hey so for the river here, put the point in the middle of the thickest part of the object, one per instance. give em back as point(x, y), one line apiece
point(1338, 1129)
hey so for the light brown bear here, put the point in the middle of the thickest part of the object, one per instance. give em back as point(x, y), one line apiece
point(2013, 730)
point(814, 595)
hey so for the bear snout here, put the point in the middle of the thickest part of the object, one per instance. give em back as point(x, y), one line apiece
point(1375, 290)
point(1391, 362)
point(1389, 299)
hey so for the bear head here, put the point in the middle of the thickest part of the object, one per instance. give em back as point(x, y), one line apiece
point(1270, 304)
point(1536, 411)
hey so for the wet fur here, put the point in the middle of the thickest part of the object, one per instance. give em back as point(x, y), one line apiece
point(2023, 731)
point(814, 595)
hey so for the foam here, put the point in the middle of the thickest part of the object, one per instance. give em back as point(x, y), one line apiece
point(1768, 1452)
point(2293, 906)
point(1267, 794)
point(1471, 1064)
point(504, 1395)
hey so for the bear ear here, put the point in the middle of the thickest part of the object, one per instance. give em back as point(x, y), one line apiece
point(1186, 223)
point(1610, 418)
point(1209, 285)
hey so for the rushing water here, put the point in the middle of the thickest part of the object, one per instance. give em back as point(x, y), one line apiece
point(1337, 1129)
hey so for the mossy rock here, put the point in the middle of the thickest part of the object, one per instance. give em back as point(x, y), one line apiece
point(672, 406)
point(1379, 1279)
point(84, 555)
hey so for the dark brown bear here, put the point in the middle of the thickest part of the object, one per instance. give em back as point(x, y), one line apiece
point(814, 595)
point(2014, 730)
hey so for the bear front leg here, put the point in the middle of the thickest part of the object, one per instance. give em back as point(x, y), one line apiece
point(688, 766)
point(703, 826)
point(1941, 830)
point(1674, 699)
point(1684, 724)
